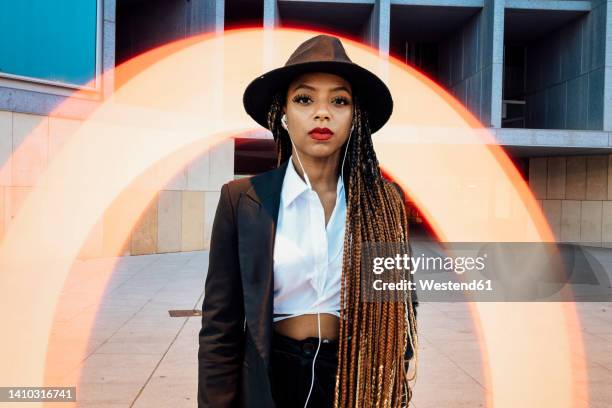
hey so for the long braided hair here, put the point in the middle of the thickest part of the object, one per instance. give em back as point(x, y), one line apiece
point(372, 369)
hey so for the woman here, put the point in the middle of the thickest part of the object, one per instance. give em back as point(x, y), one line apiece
point(286, 247)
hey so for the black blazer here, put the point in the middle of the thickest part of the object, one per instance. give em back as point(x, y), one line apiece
point(235, 338)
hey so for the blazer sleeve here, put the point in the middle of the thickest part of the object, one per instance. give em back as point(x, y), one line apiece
point(221, 338)
point(415, 300)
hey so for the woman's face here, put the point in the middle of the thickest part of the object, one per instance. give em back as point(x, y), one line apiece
point(319, 100)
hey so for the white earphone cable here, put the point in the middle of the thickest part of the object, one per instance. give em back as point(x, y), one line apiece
point(346, 150)
point(284, 121)
point(314, 358)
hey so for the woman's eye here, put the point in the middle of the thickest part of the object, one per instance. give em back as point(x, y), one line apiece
point(301, 98)
point(342, 100)
point(304, 99)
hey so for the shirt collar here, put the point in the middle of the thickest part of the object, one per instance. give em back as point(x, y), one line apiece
point(294, 186)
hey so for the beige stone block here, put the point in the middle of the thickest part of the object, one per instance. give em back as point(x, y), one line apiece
point(30, 144)
point(570, 221)
point(591, 222)
point(60, 131)
point(221, 164)
point(537, 176)
point(169, 209)
point(14, 198)
point(192, 221)
point(211, 201)
point(144, 236)
point(159, 171)
point(6, 146)
point(198, 173)
point(556, 178)
point(552, 211)
point(2, 207)
point(606, 227)
point(178, 181)
point(575, 178)
point(610, 177)
point(597, 178)
point(94, 244)
point(116, 227)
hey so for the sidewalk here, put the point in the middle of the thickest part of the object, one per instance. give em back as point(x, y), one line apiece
point(139, 356)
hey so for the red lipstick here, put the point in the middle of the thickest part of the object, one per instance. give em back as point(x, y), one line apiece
point(321, 133)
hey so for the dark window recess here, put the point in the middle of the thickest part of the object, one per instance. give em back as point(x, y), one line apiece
point(422, 56)
point(240, 14)
point(514, 87)
point(349, 19)
point(254, 156)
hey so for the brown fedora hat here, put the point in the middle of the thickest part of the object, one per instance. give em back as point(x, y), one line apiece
point(322, 53)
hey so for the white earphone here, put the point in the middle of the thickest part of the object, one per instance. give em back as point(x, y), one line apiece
point(284, 121)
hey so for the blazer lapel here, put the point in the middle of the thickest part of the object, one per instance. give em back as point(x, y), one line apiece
point(257, 215)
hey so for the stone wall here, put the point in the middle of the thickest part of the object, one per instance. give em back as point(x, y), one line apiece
point(575, 193)
point(178, 219)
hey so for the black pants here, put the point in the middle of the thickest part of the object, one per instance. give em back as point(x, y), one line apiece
point(291, 371)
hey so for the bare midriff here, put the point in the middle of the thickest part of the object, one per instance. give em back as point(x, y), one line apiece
point(303, 326)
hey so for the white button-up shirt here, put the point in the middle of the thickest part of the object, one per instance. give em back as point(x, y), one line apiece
point(307, 254)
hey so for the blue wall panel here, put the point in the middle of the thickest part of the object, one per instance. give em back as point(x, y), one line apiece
point(49, 39)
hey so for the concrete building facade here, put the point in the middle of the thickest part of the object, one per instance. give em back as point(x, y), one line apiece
point(180, 217)
point(537, 73)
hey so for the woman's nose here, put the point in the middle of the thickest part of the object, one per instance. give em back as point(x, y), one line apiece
point(322, 112)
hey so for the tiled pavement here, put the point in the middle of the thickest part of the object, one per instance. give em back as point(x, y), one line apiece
point(139, 356)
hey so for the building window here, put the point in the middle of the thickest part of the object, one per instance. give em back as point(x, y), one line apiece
point(50, 42)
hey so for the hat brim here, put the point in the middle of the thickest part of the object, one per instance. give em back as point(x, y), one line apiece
point(375, 95)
